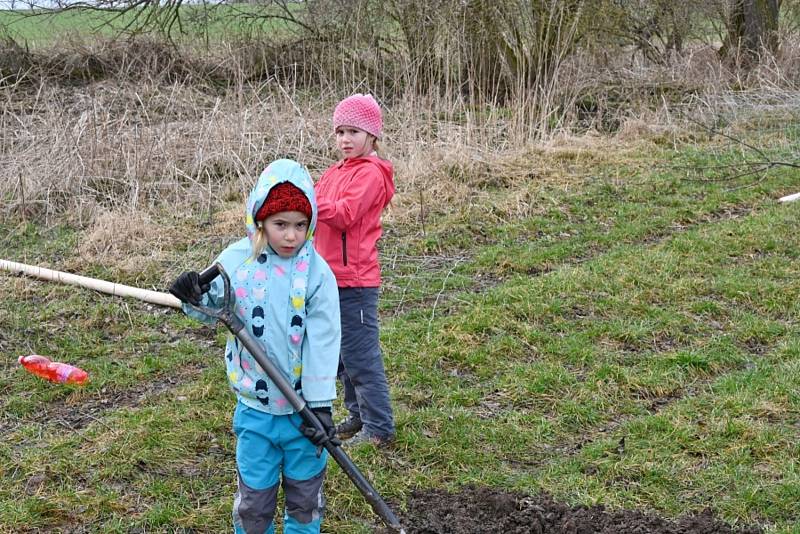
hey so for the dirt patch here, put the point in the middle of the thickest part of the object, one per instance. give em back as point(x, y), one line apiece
point(479, 510)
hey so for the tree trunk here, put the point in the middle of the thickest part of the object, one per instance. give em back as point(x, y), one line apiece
point(752, 28)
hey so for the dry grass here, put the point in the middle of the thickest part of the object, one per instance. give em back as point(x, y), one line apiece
point(152, 134)
point(126, 241)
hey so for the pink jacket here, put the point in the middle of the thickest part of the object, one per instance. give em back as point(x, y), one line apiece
point(351, 196)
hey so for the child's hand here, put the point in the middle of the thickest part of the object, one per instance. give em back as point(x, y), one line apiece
point(187, 288)
point(318, 437)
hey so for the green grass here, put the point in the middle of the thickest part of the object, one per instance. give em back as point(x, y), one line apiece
point(636, 346)
point(212, 23)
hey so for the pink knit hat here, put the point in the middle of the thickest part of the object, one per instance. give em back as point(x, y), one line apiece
point(359, 111)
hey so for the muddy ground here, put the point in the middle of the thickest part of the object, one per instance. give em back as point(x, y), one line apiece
point(481, 510)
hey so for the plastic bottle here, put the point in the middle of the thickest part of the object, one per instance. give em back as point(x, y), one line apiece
point(60, 373)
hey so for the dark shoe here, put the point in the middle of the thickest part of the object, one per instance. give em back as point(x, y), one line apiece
point(348, 428)
point(363, 437)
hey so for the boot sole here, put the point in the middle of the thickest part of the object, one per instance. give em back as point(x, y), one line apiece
point(348, 434)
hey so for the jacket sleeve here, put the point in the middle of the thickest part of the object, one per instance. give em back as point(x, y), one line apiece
point(322, 342)
point(364, 190)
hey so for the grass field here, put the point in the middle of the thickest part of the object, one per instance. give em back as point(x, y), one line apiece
point(41, 29)
point(632, 342)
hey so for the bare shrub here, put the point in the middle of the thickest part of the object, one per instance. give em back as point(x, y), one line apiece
point(15, 61)
point(136, 58)
point(653, 30)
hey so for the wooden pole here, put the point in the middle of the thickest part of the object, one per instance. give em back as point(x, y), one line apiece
point(153, 297)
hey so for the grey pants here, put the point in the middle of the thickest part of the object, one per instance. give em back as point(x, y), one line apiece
point(361, 371)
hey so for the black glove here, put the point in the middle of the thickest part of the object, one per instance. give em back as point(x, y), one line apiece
point(318, 437)
point(187, 288)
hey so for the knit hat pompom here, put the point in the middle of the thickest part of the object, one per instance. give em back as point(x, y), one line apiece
point(360, 111)
point(284, 197)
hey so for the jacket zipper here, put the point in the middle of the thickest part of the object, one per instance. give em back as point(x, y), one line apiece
point(344, 248)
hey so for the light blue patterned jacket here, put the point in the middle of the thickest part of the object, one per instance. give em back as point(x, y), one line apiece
point(291, 305)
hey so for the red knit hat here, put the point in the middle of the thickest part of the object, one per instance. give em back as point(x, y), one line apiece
point(360, 111)
point(284, 197)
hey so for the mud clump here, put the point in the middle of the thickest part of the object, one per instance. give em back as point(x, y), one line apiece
point(480, 510)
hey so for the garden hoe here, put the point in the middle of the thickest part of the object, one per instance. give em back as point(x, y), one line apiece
point(236, 326)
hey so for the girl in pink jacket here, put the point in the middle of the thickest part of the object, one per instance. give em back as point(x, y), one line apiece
point(351, 195)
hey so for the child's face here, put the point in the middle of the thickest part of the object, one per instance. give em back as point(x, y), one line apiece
point(286, 232)
point(353, 142)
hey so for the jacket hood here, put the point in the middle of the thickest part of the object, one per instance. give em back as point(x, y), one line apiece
point(385, 167)
point(279, 171)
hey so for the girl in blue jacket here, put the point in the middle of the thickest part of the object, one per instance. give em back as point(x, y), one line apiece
point(288, 299)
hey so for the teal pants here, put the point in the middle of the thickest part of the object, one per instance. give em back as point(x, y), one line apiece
point(270, 450)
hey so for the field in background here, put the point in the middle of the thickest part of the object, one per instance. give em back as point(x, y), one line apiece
point(199, 24)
